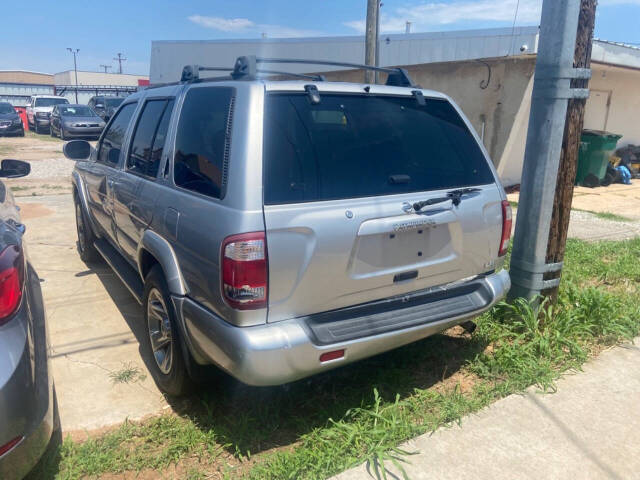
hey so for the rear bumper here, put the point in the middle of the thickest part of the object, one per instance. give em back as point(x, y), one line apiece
point(289, 350)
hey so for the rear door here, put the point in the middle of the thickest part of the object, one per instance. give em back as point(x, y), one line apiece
point(135, 191)
point(101, 175)
point(340, 181)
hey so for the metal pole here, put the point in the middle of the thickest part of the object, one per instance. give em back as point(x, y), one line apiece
point(377, 74)
point(370, 45)
point(551, 92)
point(75, 68)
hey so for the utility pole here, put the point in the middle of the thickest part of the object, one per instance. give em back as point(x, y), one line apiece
point(75, 67)
point(105, 67)
point(570, 144)
point(120, 59)
point(378, 7)
point(551, 93)
point(371, 45)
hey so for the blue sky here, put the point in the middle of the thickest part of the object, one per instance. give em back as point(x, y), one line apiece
point(36, 33)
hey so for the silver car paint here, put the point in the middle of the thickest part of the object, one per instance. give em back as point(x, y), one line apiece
point(318, 259)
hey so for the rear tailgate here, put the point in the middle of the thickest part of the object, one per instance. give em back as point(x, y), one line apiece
point(340, 179)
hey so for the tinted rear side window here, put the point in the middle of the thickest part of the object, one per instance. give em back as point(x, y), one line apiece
point(351, 146)
point(202, 140)
point(112, 139)
point(148, 139)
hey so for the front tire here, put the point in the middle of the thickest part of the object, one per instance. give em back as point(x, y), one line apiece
point(87, 251)
point(63, 136)
point(161, 345)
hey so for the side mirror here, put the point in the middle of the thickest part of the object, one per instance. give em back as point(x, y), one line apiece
point(14, 168)
point(77, 150)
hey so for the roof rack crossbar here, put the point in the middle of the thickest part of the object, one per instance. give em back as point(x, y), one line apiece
point(397, 76)
point(246, 68)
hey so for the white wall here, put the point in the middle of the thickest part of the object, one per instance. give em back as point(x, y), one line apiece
point(96, 78)
point(614, 104)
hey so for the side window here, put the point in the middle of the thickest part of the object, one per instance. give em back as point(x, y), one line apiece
point(202, 140)
point(111, 144)
point(149, 137)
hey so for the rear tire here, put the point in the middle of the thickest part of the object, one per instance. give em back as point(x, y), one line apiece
point(87, 251)
point(161, 345)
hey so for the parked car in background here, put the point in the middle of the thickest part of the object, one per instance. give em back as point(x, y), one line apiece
point(10, 121)
point(28, 415)
point(39, 110)
point(105, 106)
point(278, 229)
point(72, 121)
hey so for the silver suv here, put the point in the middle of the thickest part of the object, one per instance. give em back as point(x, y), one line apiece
point(278, 229)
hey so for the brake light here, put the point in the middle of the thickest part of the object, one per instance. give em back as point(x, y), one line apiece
point(11, 280)
point(244, 271)
point(506, 228)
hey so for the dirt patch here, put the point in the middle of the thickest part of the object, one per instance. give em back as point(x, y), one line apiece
point(34, 210)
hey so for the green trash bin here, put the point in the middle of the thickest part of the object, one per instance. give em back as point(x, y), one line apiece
point(596, 147)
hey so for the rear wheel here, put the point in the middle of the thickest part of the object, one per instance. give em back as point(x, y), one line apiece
point(87, 251)
point(161, 345)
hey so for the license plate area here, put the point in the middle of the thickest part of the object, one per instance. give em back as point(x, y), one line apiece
point(408, 248)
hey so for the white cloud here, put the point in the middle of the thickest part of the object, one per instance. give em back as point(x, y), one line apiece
point(247, 26)
point(432, 14)
point(222, 24)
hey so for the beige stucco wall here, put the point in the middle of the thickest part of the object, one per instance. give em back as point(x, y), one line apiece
point(614, 104)
point(97, 78)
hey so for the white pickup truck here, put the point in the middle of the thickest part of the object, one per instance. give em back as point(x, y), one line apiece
point(39, 111)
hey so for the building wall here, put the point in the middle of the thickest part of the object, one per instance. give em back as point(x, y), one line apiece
point(614, 102)
point(169, 57)
point(97, 78)
point(19, 76)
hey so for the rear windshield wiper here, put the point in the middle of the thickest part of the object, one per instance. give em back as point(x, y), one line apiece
point(454, 195)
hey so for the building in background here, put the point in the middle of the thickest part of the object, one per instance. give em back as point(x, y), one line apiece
point(16, 86)
point(96, 83)
point(489, 73)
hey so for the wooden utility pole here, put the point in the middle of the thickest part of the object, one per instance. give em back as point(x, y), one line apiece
point(570, 144)
point(370, 39)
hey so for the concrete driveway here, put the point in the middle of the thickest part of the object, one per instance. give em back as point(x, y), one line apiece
point(93, 322)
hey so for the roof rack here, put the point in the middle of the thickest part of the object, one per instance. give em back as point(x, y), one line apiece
point(246, 68)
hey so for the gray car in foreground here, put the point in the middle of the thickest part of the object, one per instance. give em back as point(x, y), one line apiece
point(75, 121)
point(27, 402)
point(279, 229)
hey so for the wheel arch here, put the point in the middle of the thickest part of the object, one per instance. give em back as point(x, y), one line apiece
point(154, 249)
point(80, 192)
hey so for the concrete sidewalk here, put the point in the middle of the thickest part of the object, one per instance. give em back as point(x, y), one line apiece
point(589, 429)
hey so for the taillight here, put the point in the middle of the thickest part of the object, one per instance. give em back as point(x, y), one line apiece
point(11, 279)
point(244, 271)
point(506, 228)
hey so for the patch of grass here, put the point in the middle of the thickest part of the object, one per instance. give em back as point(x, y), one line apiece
point(321, 426)
point(128, 374)
point(611, 216)
point(513, 204)
point(41, 136)
point(19, 188)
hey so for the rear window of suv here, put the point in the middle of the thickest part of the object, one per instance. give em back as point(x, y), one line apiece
point(350, 146)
